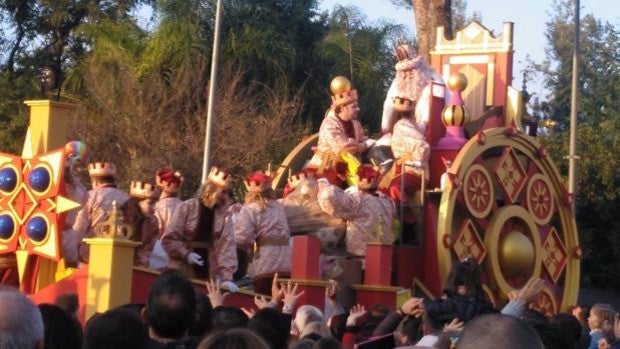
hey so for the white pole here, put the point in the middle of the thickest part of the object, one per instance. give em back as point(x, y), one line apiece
point(206, 160)
point(573, 112)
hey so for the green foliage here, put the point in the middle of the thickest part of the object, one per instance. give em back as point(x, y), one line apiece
point(598, 136)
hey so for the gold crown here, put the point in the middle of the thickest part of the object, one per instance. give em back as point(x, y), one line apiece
point(293, 181)
point(142, 190)
point(402, 104)
point(261, 183)
point(344, 98)
point(101, 169)
point(219, 177)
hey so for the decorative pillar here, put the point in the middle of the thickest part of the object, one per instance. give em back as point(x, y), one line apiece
point(378, 260)
point(305, 270)
point(48, 126)
point(454, 116)
point(110, 269)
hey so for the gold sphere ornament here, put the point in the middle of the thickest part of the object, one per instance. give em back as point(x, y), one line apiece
point(457, 81)
point(517, 255)
point(454, 115)
point(339, 85)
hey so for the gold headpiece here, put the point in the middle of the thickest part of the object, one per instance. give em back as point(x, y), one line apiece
point(294, 180)
point(258, 182)
point(402, 104)
point(342, 94)
point(101, 169)
point(142, 190)
point(219, 177)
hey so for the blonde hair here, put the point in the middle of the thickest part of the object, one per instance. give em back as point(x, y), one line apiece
point(210, 194)
point(261, 199)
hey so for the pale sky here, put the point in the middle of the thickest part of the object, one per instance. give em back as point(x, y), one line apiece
point(528, 16)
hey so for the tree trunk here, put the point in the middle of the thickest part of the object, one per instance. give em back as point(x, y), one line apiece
point(430, 14)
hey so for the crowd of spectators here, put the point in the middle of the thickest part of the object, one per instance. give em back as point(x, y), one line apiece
point(177, 315)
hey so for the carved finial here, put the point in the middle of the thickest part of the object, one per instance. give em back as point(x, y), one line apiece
point(114, 226)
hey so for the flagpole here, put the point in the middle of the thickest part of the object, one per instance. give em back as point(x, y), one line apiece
point(206, 160)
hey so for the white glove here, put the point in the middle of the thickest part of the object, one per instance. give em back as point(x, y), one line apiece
point(194, 258)
point(369, 143)
point(231, 286)
point(322, 182)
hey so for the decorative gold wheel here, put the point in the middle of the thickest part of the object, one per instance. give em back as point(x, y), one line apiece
point(507, 207)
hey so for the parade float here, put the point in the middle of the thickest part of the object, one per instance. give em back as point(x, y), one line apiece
point(502, 202)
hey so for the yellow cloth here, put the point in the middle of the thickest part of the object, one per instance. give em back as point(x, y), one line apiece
point(353, 163)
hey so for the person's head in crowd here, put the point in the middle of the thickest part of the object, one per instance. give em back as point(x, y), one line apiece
point(498, 331)
point(550, 334)
point(204, 314)
point(270, 325)
point(21, 325)
point(69, 302)
point(315, 330)
point(617, 325)
point(432, 324)
point(465, 280)
point(305, 315)
point(373, 318)
point(408, 331)
point(171, 306)
point(236, 338)
point(134, 307)
point(62, 331)
point(227, 317)
point(600, 314)
point(533, 316)
point(327, 343)
point(304, 343)
point(116, 328)
point(569, 325)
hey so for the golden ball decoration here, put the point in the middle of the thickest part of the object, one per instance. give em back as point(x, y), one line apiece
point(339, 85)
point(517, 254)
point(454, 115)
point(457, 81)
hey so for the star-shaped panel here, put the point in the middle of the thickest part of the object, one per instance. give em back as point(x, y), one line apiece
point(32, 205)
point(510, 174)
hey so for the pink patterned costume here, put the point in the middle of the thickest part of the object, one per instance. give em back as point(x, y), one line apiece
point(411, 150)
point(369, 217)
point(334, 136)
point(98, 206)
point(163, 211)
point(180, 236)
point(269, 229)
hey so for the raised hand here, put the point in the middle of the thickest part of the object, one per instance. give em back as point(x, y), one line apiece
point(355, 313)
point(454, 326)
point(331, 291)
point(261, 302)
point(290, 294)
point(531, 289)
point(413, 307)
point(215, 294)
point(277, 293)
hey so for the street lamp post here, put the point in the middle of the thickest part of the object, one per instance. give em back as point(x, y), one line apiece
point(573, 112)
point(206, 160)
